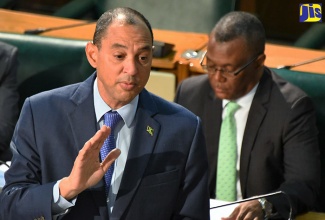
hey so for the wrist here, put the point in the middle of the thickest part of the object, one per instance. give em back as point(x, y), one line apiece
point(267, 208)
point(66, 191)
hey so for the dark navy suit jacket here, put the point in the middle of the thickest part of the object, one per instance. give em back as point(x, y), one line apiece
point(166, 174)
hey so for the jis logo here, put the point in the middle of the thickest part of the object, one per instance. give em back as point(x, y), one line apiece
point(310, 12)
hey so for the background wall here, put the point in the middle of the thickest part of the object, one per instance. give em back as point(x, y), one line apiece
point(280, 18)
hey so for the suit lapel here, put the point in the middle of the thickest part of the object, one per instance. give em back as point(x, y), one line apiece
point(255, 118)
point(83, 123)
point(142, 145)
point(212, 122)
point(82, 118)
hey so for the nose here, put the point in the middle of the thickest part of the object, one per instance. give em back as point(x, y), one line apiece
point(218, 75)
point(130, 66)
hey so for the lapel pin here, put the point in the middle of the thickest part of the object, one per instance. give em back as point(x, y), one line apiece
point(150, 130)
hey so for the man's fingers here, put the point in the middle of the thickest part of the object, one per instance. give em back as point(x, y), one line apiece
point(235, 213)
point(101, 136)
point(98, 139)
point(110, 158)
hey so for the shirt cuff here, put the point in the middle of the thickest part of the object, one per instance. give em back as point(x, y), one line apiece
point(60, 205)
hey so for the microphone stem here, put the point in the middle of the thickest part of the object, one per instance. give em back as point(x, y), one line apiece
point(249, 199)
point(42, 30)
point(301, 63)
point(290, 205)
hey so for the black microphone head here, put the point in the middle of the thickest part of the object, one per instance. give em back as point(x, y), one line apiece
point(284, 67)
point(35, 31)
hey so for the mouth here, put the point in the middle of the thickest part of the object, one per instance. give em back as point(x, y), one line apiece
point(219, 89)
point(128, 86)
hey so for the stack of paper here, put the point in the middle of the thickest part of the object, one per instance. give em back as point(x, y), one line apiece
point(3, 169)
point(220, 212)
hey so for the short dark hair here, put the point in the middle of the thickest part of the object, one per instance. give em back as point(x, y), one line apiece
point(241, 24)
point(109, 16)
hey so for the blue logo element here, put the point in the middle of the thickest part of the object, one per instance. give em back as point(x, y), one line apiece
point(310, 12)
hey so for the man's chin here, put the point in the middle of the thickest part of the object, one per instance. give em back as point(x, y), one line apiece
point(222, 95)
point(127, 96)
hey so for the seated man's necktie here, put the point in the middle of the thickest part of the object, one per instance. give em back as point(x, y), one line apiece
point(227, 156)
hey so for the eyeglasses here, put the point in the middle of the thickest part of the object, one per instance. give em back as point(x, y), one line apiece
point(224, 72)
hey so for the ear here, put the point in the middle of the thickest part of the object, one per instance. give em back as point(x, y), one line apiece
point(260, 60)
point(91, 53)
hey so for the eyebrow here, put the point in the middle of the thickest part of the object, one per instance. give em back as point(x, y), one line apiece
point(144, 48)
point(225, 65)
point(117, 45)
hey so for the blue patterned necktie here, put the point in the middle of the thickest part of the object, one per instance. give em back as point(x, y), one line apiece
point(227, 156)
point(111, 119)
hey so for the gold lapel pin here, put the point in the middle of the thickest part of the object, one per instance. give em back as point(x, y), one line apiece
point(150, 130)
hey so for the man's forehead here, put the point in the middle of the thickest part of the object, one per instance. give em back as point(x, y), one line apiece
point(119, 37)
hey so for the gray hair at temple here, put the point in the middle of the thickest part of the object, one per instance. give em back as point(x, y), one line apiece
point(241, 24)
point(131, 17)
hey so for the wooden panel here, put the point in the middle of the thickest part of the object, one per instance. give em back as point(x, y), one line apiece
point(39, 6)
point(280, 18)
point(311, 216)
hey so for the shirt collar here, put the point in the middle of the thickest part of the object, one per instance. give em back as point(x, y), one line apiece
point(244, 101)
point(127, 111)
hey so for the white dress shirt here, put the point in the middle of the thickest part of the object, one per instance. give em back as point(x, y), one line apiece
point(122, 133)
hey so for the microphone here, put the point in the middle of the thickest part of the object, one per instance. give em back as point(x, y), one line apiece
point(260, 197)
point(42, 30)
point(301, 63)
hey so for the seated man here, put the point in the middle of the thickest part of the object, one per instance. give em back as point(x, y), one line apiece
point(259, 128)
point(8, 98)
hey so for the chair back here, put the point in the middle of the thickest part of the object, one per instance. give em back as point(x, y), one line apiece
point(46, 63)
point(313, 38)
point(162, 84)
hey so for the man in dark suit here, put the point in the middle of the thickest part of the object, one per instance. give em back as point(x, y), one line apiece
point(276, 135)
point(160, 171)
point(8, 97)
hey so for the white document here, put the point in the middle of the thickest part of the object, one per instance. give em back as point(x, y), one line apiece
point(3, 169)
point(218, 213)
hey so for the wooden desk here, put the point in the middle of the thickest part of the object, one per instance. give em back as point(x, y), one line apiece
point(277, 55)
point(311, 216)
point(17, 22)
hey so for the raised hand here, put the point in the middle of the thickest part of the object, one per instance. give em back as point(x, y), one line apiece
point(87, 169)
